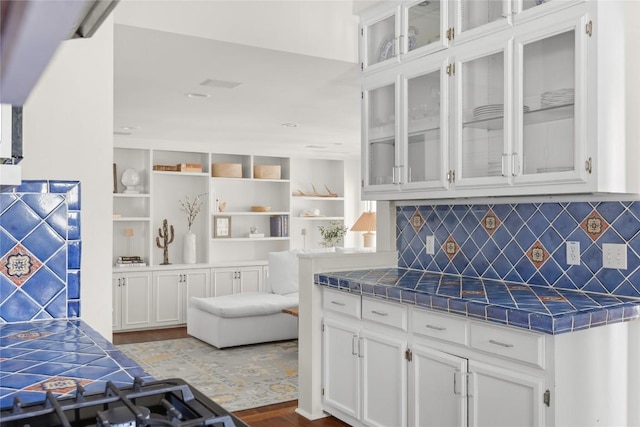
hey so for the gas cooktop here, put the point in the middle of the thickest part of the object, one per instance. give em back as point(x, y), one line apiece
point(170, 402)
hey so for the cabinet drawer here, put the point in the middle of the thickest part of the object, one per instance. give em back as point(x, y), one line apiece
point(439, 326)
point(341, 302)
point(385, 313)
point(522, 346)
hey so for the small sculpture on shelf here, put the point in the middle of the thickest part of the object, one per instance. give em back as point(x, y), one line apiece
point(315, 193)
point(165, 233)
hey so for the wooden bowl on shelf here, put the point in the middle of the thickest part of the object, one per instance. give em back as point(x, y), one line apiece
point(260, 208)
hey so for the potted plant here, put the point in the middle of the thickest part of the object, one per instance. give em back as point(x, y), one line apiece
point(332, 234)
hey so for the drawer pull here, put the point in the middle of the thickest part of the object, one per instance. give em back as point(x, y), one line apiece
point(379, 313)
point(437, 328)
point(341, 304)
point(501, 344)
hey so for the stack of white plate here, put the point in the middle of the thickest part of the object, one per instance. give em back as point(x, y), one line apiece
point(489, 111)
point(553, 98)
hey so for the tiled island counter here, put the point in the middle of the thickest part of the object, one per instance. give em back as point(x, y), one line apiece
point(439, 349)
point(58, 355)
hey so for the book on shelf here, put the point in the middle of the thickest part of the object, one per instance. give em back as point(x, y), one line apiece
point(131, 258)
point(279, 225)
point(131, 264)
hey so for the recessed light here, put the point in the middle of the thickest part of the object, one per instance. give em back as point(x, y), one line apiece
point(129, 127)
point(197, 95)
point(289, 125)
point(316, 146)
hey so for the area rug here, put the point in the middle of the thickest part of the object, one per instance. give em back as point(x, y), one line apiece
point(237, 378)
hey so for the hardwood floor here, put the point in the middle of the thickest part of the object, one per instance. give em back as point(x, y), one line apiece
point(278, 415)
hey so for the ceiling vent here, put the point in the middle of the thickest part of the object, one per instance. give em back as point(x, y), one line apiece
point(220, 84)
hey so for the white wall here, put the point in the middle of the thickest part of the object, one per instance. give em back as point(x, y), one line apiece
point(68, 125)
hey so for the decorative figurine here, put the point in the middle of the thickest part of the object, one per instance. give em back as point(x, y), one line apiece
point(166, 233)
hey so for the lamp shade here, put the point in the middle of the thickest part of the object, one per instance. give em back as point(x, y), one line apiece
point(366, 222)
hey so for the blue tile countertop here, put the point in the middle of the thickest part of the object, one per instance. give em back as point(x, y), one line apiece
point(538, 308)
point(57, 356)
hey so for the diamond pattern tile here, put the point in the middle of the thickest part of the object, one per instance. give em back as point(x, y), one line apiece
point(57, 356)
point(40, 249)
point(497, 241)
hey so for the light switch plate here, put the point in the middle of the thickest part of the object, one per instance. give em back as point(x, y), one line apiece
point(614, 256)
point(430, 245)
point(573, 253)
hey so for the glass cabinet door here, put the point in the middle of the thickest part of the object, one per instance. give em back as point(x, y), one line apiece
point(477, 17)
point(482, 120)
point(381, 146)
point(546, 139)
point(381, 39)
point(424, 26)
point(425, 153)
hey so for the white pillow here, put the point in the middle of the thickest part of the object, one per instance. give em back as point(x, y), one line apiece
point(283, 269)
point(283, 272)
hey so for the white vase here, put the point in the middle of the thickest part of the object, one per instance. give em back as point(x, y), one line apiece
point(189, 248)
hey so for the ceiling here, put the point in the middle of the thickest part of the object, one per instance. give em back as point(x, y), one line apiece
point(292, 61)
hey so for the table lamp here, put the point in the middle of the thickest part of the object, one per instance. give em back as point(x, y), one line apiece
point(366, 223)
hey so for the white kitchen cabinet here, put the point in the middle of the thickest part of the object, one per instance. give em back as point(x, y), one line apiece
point(364, 369)
point(171, 293)
point(438, 388)
point(501, 397)
point(341, 363)
point(233, 280)
point(131, 300)
point(402, 31)
point(522, 109)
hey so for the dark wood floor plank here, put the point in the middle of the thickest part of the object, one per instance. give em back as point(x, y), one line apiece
point(276, 415)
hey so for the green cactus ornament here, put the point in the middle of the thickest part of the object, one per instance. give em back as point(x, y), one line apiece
point(166, 233)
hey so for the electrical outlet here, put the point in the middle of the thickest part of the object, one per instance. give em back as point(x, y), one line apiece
point(614, 256)
point(573, 253)
point(430, 245)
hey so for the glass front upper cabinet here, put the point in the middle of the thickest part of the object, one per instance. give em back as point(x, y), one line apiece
point(474, 18)
point(482, 120)
point(425, 135)
point(381, 147)
point(413, 29)
point(547, 135)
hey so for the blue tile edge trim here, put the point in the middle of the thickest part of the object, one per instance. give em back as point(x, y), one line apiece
point(545, 323)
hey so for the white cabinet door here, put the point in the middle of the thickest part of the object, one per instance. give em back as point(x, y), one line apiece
point(195, 285)
point(550, 141)
point(437, 384)
point(116, 302)
point(384, 379)
point(482, 116)
point(501, 397)
point(222, 280)
point(249, 279)
point(136, 300)
point(167, 297)
point(341, 366)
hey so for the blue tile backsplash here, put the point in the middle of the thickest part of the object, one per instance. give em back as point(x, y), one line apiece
point(40, 251)
point(524, 242)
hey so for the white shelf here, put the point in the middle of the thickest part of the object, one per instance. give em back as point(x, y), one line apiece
point(132, 218)
point(219, 178)
point(319, 218)
point(339, 199)
point(244, 213)
point(247, 239)
point(132, 195)
point(181, 173)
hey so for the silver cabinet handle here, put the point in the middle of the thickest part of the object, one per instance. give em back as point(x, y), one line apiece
point(437, 328)
point(455, 389)
point(354, 340)
point(379, 313)
point(341, 304)
point(501, 344)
